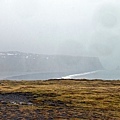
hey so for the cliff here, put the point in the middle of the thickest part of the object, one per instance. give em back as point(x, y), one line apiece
point(27, 62)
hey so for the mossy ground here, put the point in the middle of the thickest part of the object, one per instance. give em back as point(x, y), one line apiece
point(67, 99)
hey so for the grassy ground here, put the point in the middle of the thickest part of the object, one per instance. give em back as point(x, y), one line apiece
point(64, 99)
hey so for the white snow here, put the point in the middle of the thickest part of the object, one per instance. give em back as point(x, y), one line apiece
point(26, 57)
point(9, 54)
point(75, 75)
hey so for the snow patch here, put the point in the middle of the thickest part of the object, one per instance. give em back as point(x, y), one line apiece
point(26, 57)
point(9, 54)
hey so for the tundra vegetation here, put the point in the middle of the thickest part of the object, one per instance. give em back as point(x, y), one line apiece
point(60, 99)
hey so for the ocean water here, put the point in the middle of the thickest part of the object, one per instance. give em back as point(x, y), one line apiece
point(99, 74)
point(36, 76)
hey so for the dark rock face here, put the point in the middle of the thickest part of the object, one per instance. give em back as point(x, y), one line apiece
point(27, 62)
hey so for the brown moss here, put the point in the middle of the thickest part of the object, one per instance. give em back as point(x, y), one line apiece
point(93, 98)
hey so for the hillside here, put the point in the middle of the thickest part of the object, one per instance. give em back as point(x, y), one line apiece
point(26, 62)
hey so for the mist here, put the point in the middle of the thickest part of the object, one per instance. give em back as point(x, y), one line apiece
point(69, 27)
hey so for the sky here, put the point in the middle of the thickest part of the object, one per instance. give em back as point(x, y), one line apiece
point(69, 27)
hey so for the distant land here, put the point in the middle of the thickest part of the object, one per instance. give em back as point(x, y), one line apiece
point(27, 63)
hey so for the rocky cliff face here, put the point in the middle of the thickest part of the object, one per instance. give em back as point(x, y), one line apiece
point(27, 62)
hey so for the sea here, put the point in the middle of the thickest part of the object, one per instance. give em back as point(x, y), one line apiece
point(98, 74)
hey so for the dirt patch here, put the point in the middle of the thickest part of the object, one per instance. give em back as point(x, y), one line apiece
point(15, 98)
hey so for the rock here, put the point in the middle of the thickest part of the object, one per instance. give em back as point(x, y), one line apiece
point(3, 102)
point(22, 103)
point(13, 102)
point(29, 103)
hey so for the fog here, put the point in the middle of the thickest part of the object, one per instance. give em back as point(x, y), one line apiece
point(70, 27)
